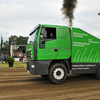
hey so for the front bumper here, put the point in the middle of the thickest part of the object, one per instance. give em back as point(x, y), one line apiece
point(38, 67)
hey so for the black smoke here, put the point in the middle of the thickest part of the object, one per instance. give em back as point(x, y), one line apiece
point(67, 9)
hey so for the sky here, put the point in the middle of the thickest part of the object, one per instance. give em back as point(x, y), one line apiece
point(18, 17)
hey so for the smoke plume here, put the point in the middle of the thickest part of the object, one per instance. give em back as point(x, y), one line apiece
point(68, 10)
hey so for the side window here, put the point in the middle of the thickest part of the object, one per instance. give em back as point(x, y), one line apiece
point(62, 32)
point(51, 33)
point(47, 34)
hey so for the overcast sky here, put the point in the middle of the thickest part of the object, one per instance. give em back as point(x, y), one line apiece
point(18, 17)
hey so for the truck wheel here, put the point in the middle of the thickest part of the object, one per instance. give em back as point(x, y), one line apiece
point(98, 73)
point(58, 73)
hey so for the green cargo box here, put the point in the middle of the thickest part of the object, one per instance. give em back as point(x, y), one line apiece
point(85, 47)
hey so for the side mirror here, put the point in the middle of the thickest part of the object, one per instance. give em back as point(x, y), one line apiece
point(41, 37)
point(44, 32)
point(42, 40)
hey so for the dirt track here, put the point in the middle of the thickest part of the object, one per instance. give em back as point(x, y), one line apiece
point(17, 84)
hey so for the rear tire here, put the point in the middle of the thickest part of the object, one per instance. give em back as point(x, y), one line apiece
point(58, 73)
point(98, 73)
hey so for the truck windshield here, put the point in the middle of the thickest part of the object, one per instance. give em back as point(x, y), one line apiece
point(33, 36)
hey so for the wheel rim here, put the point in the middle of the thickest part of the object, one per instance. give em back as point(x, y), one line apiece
point(58, 73)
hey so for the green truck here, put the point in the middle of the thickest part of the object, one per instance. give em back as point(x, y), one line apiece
point(57, 51)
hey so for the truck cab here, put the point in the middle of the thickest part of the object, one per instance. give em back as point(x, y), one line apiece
point(48, 45)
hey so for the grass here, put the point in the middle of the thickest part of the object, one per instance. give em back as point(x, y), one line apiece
point(16, 65)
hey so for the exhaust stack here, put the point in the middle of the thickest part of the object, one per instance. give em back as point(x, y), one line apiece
point(67, 9)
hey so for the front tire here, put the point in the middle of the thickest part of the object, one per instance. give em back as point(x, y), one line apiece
point(58, 73)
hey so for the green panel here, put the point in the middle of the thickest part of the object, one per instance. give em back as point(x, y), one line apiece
point(64, 54)
point(64, 46)
point(85, 47)
point(48, 52)
point(30, 51)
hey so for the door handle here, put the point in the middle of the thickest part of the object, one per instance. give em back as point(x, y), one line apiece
point(56, 50)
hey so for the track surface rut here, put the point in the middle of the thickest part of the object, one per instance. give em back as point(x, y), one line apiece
point(17, 84)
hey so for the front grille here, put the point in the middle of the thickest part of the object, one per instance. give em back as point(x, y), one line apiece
point(28, 54)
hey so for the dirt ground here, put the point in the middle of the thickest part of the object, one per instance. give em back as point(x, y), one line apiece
point(17, 84)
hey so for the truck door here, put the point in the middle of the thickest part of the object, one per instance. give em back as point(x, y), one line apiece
point(48, 45)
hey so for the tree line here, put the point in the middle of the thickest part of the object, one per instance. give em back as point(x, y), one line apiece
point(13, 40)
